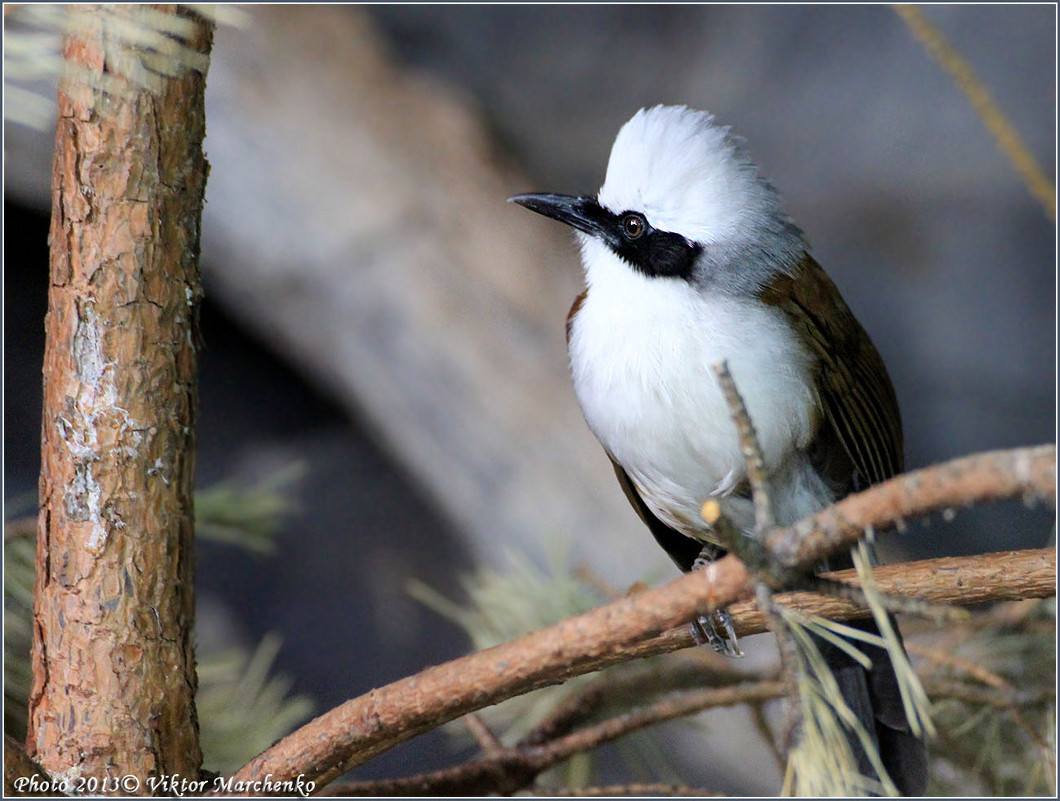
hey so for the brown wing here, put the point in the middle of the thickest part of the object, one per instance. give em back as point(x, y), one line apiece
point(852, 380)
point(862, 410)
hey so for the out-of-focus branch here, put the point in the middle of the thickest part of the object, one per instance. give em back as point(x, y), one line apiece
point(363, 727)
point(487, 740)
point(636, 790)
point(702, 668)
point(514, 768)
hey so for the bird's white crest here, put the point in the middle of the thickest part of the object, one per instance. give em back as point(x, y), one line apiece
point(689, 176)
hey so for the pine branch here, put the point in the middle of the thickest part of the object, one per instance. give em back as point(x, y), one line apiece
point(508, 770)
point(640, 625)
point(960, 580)
point(632, 627)
point(1026, 473)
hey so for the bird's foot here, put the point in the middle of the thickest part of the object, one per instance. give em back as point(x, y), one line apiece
point(716, 630)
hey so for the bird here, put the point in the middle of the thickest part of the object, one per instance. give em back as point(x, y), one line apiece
point(689, 261)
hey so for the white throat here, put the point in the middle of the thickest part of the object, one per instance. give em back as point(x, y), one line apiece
point(641, 351)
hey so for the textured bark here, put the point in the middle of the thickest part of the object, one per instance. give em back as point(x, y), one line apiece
point(114, 672)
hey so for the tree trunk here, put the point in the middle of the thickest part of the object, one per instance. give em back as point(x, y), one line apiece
point(114, 672)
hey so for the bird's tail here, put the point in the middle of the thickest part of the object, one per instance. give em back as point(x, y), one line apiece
point(875, 699)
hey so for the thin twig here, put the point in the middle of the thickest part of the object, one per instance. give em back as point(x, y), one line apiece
point(986, 696)
point(1021, 720)
point(758, 717)
point(752, 451)
point(680, 705)
point(487, 740)
point(610, 688)
point(599, 583)
point(1005, 134)
point(789, 663)
point(502, 774)
point(941, 657)
point(757, 559)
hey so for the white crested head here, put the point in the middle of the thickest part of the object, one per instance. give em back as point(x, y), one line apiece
point(690, 176)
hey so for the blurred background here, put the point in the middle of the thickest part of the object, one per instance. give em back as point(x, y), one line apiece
point(377, 314)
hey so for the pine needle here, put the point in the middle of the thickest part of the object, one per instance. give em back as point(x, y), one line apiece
point(528, 595)
point(248, 515)
point(143, 46)
point(505, 604)
point(985, 745)
point(914, 699)
point(242, 709)
point(823, 762)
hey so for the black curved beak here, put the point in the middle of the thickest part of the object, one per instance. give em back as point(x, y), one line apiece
point(583, 213)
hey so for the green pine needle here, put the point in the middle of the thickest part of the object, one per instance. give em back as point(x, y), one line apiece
point(235, 513)
point(242, 709)
point(914, 699)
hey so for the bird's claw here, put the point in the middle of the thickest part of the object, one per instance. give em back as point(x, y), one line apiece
point(716, 630)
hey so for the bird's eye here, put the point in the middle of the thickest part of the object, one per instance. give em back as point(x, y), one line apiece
point(633, 225)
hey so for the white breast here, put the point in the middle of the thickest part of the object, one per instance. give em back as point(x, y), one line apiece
point(641, 351)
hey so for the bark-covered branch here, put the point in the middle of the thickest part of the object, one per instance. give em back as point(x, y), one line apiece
point(1027, 473)
point(113, 664)
point(664, 691)
point(363, 727)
